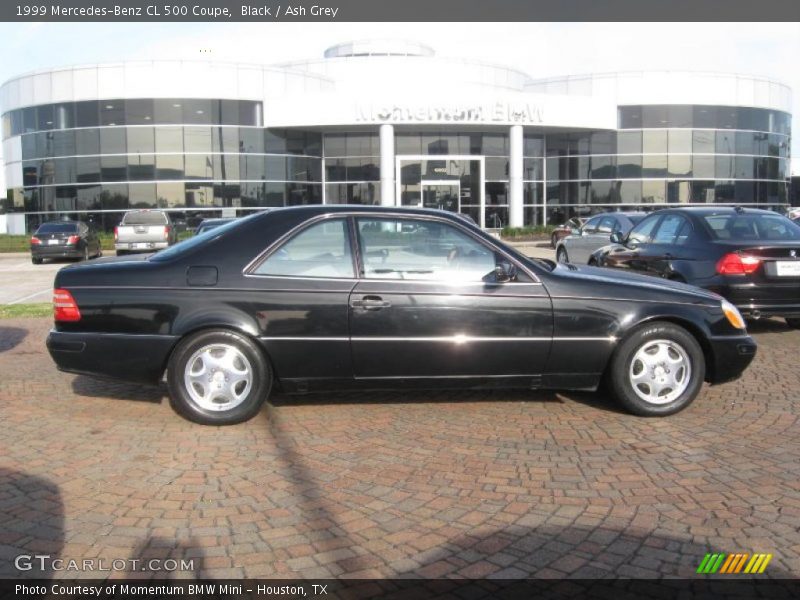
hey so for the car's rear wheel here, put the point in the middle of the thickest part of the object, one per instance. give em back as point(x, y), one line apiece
point(561, 255)
point(553, 240)
point(657, 370)
point(218, 377)
point(793, 322)
point(36, 261)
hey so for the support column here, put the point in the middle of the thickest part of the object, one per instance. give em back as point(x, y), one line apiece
point(387, 165)
point(515, 168)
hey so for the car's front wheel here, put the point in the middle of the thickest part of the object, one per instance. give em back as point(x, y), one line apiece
point(561, 255)
point(657, 370)
point(218, 377)
point(793, 322)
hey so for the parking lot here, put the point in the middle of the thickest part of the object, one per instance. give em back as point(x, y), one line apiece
point(463, 484)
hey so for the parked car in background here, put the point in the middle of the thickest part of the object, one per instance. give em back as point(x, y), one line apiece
point(566, 229)
point(595, 233)
point(64, 239)
point(208, 224)
point(320, 297)
point(749, 256)
point(144, 231)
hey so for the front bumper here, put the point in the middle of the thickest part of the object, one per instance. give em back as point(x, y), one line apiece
point(135, 358)
point(731, 356)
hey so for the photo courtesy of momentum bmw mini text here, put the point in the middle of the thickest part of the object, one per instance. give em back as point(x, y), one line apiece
point(428, 299)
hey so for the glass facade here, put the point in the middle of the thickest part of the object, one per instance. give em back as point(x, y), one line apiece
point(671, 154)
point(103, 156)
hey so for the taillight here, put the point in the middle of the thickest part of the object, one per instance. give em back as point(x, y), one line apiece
point(64, 306)
point(737, 264)
point(35, 241)
point(116, 234)
point(73, 239)
point(166, 232)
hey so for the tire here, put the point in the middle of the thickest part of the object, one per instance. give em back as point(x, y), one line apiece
point(85, 256)
point(121, 252)
point(191, 392)
point(793, 322)
point(592, 261)
point(561, 255)
point(679, 350)
point(553, 240)
point(36, 261)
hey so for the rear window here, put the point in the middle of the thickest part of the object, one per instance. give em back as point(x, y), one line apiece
point(752, 227)
point(58, 228)
point(191, 243)
point(144, 218)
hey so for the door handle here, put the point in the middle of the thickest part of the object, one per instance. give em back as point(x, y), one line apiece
point(370, 303)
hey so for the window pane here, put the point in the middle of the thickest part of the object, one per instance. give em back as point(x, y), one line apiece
point(114, 168)
point(724, 167)
point(45, 117)
point(668, 230)
point(703, 167)
point(197, 139)
point(411, 249)
point(322, 250)
point(653, 192)
point(139, 111)
point(654, 165)
point(251, 140)
point(87, 141)
point(87, 169)
point(680, 165)
point(630, 117)
point(654, 142)
point(703, 142)
point(680, 141)
point(87, 114)
point(642, 232)
point(169, 166)
point(112, 112)
point(629, 142)
point(197, 111)
point(140, 139)
point(168, 111)
point(169, 139)
point(113, 141)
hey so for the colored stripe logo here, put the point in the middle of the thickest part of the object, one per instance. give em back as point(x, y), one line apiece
point(732, 564)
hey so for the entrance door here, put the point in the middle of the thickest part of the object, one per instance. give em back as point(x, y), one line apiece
point(444, 195)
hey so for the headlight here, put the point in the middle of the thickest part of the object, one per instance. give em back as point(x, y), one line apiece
point(733, 315)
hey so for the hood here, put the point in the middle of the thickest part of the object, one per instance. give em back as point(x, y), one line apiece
point(623, 282)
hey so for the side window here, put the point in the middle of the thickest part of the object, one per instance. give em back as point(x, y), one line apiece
point(422, 250)
point(668, 230)
point(591, 225)
point(607, 225)
point(321, 250)
point(642, 232)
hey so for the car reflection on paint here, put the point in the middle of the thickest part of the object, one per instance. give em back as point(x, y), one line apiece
point(356, 297)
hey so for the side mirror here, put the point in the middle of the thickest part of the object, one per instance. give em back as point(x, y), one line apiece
point(616, 238)
point(505, 272)
point(575, 231)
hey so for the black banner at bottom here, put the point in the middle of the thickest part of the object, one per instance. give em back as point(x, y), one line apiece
point(404, 589)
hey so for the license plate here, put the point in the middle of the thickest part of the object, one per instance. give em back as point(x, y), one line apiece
point(142, 245)
point(52, 242)
point(788, 268)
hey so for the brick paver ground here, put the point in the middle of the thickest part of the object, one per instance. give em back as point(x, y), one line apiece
point(464, 484)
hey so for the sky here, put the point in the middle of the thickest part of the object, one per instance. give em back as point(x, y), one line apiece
point(539, 49)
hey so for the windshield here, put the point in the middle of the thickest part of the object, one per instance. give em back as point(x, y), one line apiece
point(58, 228)
point(198, 240)
point(144, 218)
point(636, 218)
point(752, 227)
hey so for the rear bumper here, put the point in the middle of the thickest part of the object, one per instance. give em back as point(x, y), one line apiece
point(135, 358)
point(771, 299)
point(731, 356)
point(141, 246)
point(56, 251)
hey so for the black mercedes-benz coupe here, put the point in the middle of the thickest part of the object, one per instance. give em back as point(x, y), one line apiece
point(749, 256)
point(358, 297)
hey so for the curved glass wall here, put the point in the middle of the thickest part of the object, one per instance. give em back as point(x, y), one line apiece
point(193, 154)
point(674, 155)
point(352, 168)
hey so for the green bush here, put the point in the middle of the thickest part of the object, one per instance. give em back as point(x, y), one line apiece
point(521, 232)
point(22, 243)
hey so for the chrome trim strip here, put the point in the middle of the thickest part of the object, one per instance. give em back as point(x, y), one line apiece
point(455, 339)
point(119, 335)
point(711, 303)
point(302, 339)
point(417, 377)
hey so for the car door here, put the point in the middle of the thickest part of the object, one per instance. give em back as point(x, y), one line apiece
point(634, 251)
point(301, 307)
point(668, 244)
point(578, 245)
point(428, 305)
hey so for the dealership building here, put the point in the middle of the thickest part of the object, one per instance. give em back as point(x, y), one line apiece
point(389, 123)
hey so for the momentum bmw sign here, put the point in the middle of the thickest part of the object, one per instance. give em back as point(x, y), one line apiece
point(500, 111)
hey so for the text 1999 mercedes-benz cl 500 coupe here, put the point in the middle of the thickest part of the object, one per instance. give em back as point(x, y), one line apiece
point(354, 297)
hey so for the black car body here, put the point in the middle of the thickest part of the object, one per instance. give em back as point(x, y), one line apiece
point(64, 239)
point(207, 224)
point(749, 256)
point(350, 297)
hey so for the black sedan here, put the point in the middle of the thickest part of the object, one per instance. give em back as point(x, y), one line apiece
point(64, 239)
point(328, 297)
point(749, 256)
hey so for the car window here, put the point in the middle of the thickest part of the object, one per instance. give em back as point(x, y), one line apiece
point(752, 227)
point(321, 250)
point(642, 232)
point(591, 225)
point(145, 217)
point(57, 228)
point(607, 225)
point(670, 227)
point(422, 250)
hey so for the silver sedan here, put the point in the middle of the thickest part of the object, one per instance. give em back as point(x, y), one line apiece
point(595, 233)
